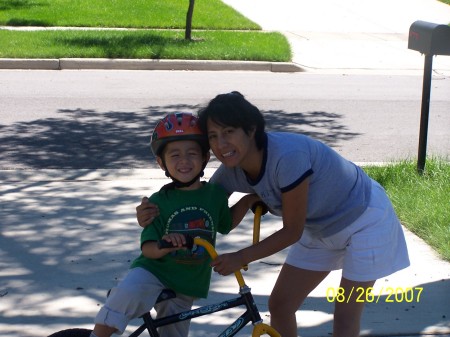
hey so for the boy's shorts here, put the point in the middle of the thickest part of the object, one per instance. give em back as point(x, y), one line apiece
point(371, 247)
point(135, 295)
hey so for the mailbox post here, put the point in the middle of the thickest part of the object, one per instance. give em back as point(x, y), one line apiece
point(429, 39)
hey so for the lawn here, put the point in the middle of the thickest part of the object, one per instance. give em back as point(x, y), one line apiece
point(145, 44)
point(167, 14)
point(421, 201)
point(157, 31)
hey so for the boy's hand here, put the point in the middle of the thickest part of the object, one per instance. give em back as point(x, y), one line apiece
point(146, 212)
point(176, 239)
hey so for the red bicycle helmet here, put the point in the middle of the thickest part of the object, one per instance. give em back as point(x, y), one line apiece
point(174, 127)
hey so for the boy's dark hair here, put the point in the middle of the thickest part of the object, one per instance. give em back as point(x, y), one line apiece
point(234, 110)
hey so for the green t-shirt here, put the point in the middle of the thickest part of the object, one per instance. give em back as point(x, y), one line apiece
point(199, 213)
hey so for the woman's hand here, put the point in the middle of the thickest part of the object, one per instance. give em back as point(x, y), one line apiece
point(146, 212)
point(227, 264)
point(294, 214)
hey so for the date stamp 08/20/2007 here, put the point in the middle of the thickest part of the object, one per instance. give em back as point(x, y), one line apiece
point(367, 295)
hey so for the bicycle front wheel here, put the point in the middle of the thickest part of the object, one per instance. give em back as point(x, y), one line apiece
point(72, 333)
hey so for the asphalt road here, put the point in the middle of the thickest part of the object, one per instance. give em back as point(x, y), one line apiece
point(103, 119)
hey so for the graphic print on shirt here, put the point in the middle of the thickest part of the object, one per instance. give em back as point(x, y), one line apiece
point(196, 222)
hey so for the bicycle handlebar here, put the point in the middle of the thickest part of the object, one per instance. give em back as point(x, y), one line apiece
point(259, 209)
point(190, 242)
point(165, 244)
point(259, 206)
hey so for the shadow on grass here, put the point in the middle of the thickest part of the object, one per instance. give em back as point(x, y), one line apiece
point(141, 44)
point(20, 4)
point(123, 45)
point(26, 22)
point(89, 139)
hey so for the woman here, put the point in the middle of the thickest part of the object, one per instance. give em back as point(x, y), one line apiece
point(334, 216)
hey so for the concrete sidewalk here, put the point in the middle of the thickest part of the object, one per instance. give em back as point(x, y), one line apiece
point(68, 235)
point(350, 36)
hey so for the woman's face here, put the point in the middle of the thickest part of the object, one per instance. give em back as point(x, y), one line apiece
point(230, 145)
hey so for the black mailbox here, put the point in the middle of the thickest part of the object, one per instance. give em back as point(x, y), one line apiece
point(429, 38)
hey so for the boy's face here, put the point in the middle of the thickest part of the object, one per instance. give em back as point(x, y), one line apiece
point(183, 159)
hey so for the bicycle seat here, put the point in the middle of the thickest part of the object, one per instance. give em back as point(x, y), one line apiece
point(166, 294)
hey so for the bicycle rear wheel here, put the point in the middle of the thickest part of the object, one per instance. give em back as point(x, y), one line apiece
point(72, 333)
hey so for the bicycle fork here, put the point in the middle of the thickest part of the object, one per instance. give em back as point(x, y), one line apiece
point(250, 315)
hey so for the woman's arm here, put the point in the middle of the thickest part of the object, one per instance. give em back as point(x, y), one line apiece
point(240, 209)
point(294, 204)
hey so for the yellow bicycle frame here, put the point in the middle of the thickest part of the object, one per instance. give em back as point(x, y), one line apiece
point(260, 328)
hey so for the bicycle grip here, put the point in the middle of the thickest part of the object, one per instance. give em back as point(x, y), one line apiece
point(264, 207)
point(165, 244)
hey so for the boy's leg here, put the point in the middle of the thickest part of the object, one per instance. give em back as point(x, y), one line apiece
point(135, 295)
point(175, 305)
point(102, 331)
point(292, 287)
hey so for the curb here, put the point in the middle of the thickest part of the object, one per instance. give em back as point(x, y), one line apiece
point(144, 64)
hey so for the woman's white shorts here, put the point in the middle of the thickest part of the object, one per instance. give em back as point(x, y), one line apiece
point(371, 247)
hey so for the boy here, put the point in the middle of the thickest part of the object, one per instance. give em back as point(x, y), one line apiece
point(187, 206)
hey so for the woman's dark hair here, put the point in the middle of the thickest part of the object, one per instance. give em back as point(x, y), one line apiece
point(234, 110)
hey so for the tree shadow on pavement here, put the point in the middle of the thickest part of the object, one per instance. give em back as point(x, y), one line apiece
point(62, 245)
point(89, 139)
point(64, 242)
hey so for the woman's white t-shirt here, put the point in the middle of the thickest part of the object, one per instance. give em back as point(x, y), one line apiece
point(339, 190)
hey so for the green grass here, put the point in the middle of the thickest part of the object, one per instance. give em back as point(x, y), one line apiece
point(208, 45)
point(422, 202)
point(208, 14)
point(219, 32)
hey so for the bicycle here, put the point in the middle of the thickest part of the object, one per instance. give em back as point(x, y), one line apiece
point(245, 298)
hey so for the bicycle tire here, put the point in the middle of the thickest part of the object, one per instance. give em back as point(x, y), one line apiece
point(72, 333)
